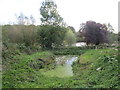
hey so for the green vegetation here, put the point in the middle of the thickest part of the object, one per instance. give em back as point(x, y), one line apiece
point(51, 36)
point(29, 53)
point(23, 68)
point(98, 69)
point(49, 13)
point(72, 50)
point(70, 38)
point(19, 34)
point(94, 68)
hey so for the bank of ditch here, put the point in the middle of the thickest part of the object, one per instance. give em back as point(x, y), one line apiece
point(98, 69)
point(93, 69)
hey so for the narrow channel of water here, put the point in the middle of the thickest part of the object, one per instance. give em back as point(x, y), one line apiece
point(63, 68)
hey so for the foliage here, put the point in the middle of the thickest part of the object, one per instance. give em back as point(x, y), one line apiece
point(94, 33)
point(70, 38)
point(68, 52)
point(21, 68)
point(110, 28)
point(24, 20)
point(51, 36)
point(8, 51)
point(19, 34)
point(112, 38)
point(49, 13)
point(21, 19)
point(72, 28)
point(71, 50)
point(95, 69)
point(98, 69)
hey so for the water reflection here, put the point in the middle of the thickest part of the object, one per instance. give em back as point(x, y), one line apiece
point(63, 68)
point(69, 62)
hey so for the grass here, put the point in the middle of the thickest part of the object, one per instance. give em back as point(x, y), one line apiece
point(98, 68)
point(71, 50)
point(21, 70)
point(93, 69)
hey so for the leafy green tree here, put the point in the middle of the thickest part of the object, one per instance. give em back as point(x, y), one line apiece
point(51, 36)
point(112, 37)
point(49, 13)
point(70, 38)
point(52, 32)
point(72, 28)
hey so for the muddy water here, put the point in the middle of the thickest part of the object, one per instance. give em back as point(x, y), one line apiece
point(63, 68)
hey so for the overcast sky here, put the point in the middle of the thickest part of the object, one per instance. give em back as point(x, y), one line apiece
point(74, 12)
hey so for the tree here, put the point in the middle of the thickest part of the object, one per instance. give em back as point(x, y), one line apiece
point(24, 20)
point(19, 34)
point(32, 19)
point(110, 28)
point(94, 33)
point(72, 28)
point(70, 38)
point(21, 19)
point(52, 32)
point(119, 38)
point(49, 14)
point(112, 37)
point(51, 36)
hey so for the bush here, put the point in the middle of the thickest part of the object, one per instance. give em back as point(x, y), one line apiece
point(70, 38)
point(51, 36)
point(20, 34)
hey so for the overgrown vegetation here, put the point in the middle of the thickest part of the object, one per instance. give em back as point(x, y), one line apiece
point(98, 69)
point(20, 34)
point(51, 36)
point(72, 50)
point(28, 49)
point(93, 69)
point(24, 68)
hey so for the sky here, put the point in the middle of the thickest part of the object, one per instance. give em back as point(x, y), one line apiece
point(74, 12)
